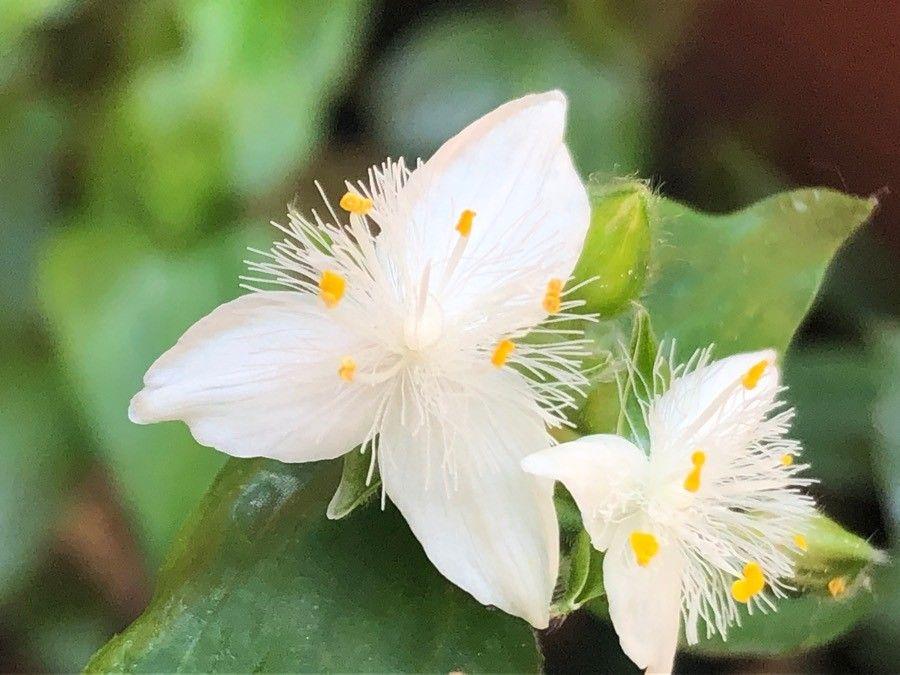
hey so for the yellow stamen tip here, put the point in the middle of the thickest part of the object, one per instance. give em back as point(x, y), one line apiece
point(787, 460)
point(692, 482)
point(800, 542)
point(331, 288)
point(644, 545)
point(501, 352)
point(348, 369)
point(553, 296)
point(837, 586)
point(739, 591)
point(751, 583)
point(355, 203)
point(464, 224)
point(752, 376)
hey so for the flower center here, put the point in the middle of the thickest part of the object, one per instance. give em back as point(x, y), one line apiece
point(425, 327)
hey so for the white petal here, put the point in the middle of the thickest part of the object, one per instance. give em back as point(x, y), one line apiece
point(487, 526)
point(259, 377)
point(599, 472)
point(644, 602)
point(512, 168)
point(713, 399)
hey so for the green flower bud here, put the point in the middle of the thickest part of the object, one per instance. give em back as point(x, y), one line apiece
point(831, 560)
point(617, 247)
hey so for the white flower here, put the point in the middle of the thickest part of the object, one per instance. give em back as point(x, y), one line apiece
point(710, 518)
point(409, 344)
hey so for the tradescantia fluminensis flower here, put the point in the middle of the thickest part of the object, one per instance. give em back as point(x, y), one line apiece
point(713, 516)
point(408, 342)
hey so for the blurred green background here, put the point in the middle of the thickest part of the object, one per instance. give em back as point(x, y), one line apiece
point(144, 145)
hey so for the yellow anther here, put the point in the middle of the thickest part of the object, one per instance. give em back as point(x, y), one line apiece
point(750, 584)
point(837, 586)
point(751, 377)
point(787, 460)
point(464, 224)
point(553, 296)
point(501, 352)
point(347, 369)
point(355, 203)
point(692, 482)
point(331, 288)
point(644, 545)
point(800, 542)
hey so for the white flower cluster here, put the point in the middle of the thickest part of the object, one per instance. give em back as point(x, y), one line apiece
point(397, 323)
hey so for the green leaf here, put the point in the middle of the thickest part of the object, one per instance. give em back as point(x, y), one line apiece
point(114, 304)
point(883, 645)
point(35, 463)
point(356, 485)
point(30, 131)
point(18, 16)
point(642, 29)
point(234, 110)
point(745, 280)
point(800, 623)
point(506, 57)
point(834, 392)
point(260, 580)
point(887, 426)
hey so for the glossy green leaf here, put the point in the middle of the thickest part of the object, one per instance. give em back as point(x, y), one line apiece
point(745, 280)
point(462, 65)
point(800, 623)
point(883, 628)
point(260, 580)
point(887, 425)
point(834, 392)
point(35, 462)
point(114, 304)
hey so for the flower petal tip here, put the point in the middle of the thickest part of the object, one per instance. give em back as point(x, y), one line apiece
point(137, 412)
point(535, 464)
